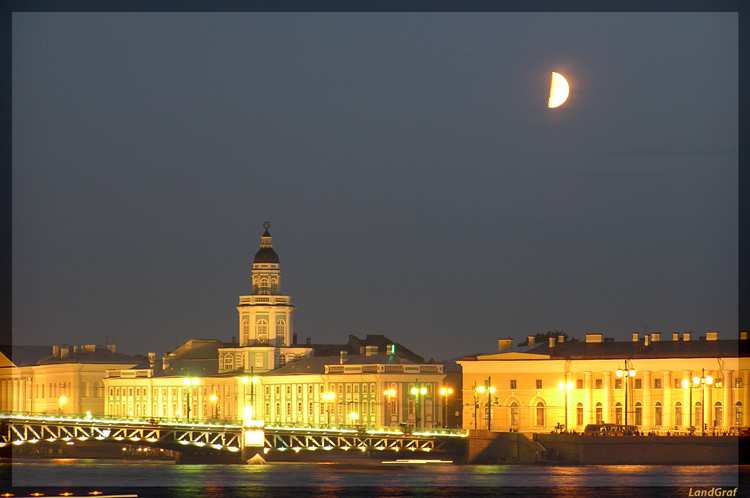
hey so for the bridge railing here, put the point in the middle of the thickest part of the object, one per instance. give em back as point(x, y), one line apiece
point(233, 422)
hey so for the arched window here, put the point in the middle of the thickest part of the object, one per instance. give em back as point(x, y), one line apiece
point(245, 331)
point(599, 413)
point(657, 414)
point(579, 414)
point(618, 413)
point(258, 360)
point(261, 331)
point(718, 414)
point(738, 413)
point(282, 360)
point(228, 361)
point(677, 414)
point(540, 413)
point(514, 414)
point(263, 286)
point(698, 418)
point(638, 413)
point(281, 332)
point(274, 286)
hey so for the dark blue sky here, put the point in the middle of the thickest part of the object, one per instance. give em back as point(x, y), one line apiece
point(416, 183)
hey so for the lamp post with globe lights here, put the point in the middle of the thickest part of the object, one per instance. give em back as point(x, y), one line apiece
point(445, 391)
point(626, 373)
point(565, 387)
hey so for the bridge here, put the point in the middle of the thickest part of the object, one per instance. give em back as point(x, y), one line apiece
point(241, 439)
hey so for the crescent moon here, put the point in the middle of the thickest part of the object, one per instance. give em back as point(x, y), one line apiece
point(558, 91)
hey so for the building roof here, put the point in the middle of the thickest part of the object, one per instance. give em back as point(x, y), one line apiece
point(266, 254)
point(25, 355)
point(316, 365)
point(49, 355)
point(356, 346)
point(580, 350)
point(99, 355)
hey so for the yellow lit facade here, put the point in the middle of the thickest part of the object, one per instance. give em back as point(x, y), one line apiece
point(57, 379)
point(267, 376)
point(536, 385)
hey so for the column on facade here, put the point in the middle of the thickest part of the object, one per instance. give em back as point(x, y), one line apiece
point(666, 399)
point(727, 408)
point(708, 410)
point(607, 411)
point(16, 393)
point(687, 410)
point(24, 402)
point(587, 410)
point(647, 408)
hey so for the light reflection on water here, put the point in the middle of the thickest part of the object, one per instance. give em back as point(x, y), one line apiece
point(139, 474)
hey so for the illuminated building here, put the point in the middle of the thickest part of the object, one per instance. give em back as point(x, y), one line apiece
point(267, 375)
point(532, 384)
point(57, 379)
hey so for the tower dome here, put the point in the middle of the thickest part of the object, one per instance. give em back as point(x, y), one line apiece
point(266, 254)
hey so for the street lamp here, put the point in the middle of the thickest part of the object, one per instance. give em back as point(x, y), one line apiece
point(445, 391)
point(187, 382)
point(249, 412)
point(627, 373)
point(62, 401)
point(565, 388)
point(703, 380)
point(214, 398)
point(328, 398)
point(416, 391)
point(389, 393)
point(686, 384)
point(490, 390)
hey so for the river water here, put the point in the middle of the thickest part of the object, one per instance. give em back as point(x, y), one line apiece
point(321, 480)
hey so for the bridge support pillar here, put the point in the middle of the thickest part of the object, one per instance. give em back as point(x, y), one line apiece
point(253, 439)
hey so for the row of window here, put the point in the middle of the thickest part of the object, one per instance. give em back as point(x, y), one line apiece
point(55, 390)
point(637, 383)
point(261, 331)
point(225, 390)
point(539, 410)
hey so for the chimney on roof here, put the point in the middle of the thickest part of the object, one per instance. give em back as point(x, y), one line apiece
point(64, 351)
point(675, 336)
point(593, 337)
point(55, 351)
point(646, 340)
point(371, 350)
point(111, 348)
point(551, 342)
point(294, 338)
point(90, 348)
point(560, 338)
point(234, 339)
point(151, 360)
point(712, 336)
point(686, 336)
point(342, 358)
point(743, 335)
point(75, 349)
point(531, 340)
point(655, 337)
point(504, 344)
point(635, 336)
point(308, 341)
point(165, 362)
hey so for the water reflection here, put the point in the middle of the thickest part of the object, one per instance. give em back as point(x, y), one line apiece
point(331, 479)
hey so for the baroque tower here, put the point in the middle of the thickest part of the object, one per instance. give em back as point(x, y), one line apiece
point(265, 316)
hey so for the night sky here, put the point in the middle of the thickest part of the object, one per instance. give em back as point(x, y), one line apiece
point(416, 183)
